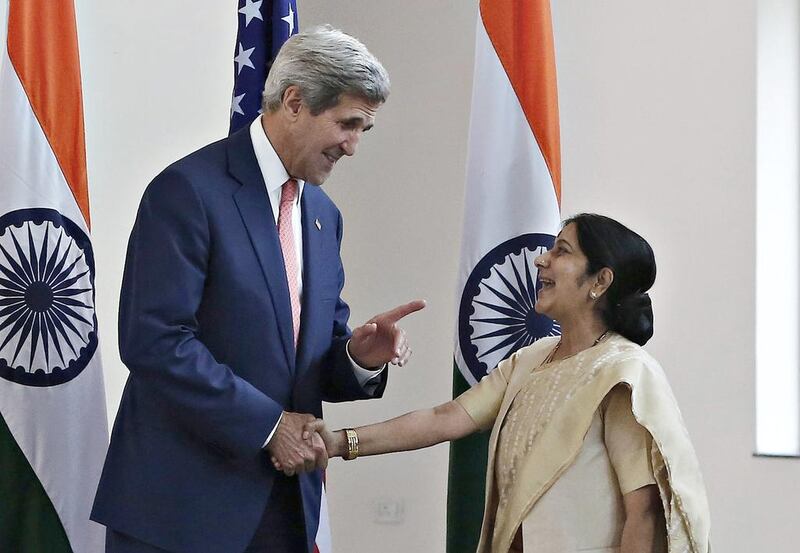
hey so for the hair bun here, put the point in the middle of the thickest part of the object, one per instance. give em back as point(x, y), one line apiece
point(633, 317)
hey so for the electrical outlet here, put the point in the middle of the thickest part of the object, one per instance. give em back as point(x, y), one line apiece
point(388, 510)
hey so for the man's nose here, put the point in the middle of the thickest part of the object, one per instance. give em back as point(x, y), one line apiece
point(350, 144)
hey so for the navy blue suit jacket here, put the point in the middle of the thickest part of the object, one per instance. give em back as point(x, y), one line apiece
point(205, 328)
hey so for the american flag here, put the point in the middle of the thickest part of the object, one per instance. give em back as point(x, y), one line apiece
point(264, 25)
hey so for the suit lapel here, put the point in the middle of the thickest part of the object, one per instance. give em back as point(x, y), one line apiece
point(312, 248)
point(256, 211)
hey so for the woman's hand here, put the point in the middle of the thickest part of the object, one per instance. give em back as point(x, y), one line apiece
point(314, 432)
point(334, 441)
point(291, 450)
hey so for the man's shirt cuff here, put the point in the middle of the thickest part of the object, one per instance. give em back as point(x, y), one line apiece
point(272, 432)
point(368, 379)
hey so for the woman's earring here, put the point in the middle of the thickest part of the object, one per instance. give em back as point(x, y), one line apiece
point(593, 295)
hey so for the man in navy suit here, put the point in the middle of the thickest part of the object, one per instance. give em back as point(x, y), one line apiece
point(232, 325)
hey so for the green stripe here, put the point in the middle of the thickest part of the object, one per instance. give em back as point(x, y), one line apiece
point(28, 521)
point(466, 485)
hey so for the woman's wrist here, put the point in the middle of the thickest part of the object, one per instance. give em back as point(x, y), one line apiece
point(340, 444)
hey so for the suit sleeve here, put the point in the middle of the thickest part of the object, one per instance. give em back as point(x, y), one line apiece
point(164, 277)
point(339, 382)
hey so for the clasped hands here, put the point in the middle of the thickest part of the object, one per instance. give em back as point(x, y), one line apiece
point(318, 444)
point(294, 448)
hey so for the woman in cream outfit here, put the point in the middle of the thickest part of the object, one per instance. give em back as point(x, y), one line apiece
point(588, 450)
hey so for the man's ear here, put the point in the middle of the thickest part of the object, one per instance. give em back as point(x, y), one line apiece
point(292, 101)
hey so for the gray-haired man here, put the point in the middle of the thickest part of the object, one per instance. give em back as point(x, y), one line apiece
point(232, 324)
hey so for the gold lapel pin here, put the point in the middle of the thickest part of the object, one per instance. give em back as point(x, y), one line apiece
point(319, 225)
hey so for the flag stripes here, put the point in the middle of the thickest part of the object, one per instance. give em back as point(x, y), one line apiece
point(53, 435)
point(511, 214)
point(43, 49)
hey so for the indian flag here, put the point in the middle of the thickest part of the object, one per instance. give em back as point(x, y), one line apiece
point(511, 215)
point(53, 433)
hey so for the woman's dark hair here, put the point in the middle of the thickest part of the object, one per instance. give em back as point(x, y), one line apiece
point(608, 243)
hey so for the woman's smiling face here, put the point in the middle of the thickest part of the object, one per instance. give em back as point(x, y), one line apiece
point(564, 284)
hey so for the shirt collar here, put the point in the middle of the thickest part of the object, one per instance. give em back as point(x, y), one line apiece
point(271, 166)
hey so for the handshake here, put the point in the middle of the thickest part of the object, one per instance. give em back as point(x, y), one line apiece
point(302, 443)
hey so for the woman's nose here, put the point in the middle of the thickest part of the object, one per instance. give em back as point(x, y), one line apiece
point(540, 260)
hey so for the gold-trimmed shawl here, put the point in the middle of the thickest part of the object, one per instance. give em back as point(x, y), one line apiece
point(598, 369)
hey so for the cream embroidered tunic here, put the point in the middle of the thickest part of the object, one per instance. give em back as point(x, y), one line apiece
point(570, 438)
point(583, 510)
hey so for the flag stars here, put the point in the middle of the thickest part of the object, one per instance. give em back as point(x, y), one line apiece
point(242, 59)
point(251, 10)
point(236, 105)
point(289, 19)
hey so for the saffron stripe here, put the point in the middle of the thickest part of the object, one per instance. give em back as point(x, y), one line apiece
point(43, 48)
point(522, 35)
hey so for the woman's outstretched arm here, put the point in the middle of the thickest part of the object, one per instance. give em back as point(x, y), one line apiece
point(414, 430)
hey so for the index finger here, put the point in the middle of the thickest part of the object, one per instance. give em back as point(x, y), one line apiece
point(401, 311)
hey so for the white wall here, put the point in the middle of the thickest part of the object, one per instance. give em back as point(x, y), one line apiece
point(658, 130)
point(777, 349)
point(157, 80)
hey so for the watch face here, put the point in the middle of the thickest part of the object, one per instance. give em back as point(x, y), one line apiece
point(496, 315)
point(48, 327)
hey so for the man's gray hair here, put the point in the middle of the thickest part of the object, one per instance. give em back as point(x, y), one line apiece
point(325, 63)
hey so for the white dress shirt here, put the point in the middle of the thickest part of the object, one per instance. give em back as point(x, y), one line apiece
point(275, 176)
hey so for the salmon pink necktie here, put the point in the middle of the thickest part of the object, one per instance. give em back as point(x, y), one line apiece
point(286, 234)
